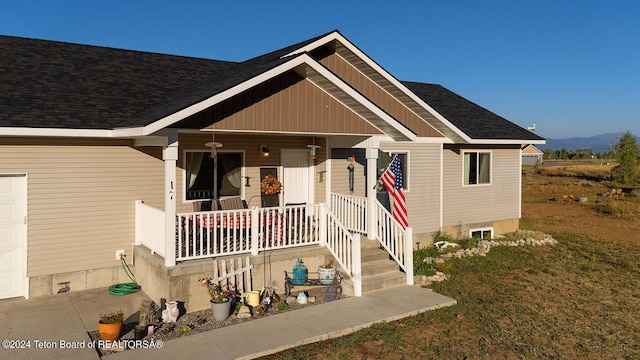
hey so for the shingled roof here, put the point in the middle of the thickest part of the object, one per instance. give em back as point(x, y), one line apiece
point(474, 120)
point(58, 85)
point(53, 84)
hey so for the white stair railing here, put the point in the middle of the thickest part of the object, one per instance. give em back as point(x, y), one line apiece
point(345, 248)
point(351, 211)
point(398, 242)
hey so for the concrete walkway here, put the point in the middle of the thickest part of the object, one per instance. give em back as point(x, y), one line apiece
point(66, 318)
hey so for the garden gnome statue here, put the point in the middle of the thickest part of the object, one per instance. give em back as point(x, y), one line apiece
point(170, 314)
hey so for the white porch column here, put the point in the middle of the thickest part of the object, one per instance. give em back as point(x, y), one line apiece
point(372, 174)
point(170, 157)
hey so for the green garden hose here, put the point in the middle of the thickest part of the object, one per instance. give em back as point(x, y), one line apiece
point(125, 288)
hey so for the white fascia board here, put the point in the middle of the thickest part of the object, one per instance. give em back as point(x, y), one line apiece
point(358, 97)
point(337, 36)
point(276, 132)
point(55, 132)
point(314, 45)
point(434, 140)
point(129, 132)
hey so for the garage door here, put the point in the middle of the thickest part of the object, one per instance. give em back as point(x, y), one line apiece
point(13, 211)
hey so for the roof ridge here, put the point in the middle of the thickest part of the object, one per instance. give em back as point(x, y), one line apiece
point(290, 48)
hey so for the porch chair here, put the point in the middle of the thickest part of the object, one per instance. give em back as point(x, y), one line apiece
point(205, 205)
point(233, 203)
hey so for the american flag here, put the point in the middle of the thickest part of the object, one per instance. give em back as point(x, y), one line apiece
point(392, 180)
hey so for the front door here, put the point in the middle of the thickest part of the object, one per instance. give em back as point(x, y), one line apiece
point(295, 179)
point(13, 211)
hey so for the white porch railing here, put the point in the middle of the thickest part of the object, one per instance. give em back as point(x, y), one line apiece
point(345, 247)
point(398, 242)
point(228, 232)
point(351, 211)
point(150, 227)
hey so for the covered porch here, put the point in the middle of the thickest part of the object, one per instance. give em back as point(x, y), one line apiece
point(341, 227)
point(299, 124)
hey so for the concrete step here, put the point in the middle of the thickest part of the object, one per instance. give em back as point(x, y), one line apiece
point(373, 254)
point(381, 281)
point(369, 244)
point(379, 267)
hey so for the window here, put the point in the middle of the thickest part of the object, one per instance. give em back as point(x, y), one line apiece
point(477, 167)
point(385, 158)
point(199, 173)
point(485, 233)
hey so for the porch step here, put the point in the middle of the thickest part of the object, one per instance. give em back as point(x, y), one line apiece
point(378, 271)
point(373, 254)
point(382, 281)
point(379, 267)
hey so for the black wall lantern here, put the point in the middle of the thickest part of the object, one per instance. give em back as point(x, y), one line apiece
point(351, 169)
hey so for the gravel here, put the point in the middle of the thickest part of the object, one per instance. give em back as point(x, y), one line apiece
point(199, 321)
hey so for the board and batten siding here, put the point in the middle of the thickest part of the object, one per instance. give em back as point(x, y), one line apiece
point(81, 199)
point(287, 103)
point(476, 204)
point(379, 96)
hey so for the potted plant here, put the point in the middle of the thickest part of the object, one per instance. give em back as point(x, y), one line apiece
point(110, 325)
point(326, 273)
point(221, 299)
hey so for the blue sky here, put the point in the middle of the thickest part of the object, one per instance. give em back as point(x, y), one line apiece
point(571, 67)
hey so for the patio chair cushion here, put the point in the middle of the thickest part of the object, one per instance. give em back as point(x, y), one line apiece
point(233, 203)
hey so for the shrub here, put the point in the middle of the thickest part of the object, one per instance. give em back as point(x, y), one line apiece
point(422, 267)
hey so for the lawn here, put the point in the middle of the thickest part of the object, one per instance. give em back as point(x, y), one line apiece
point(577, 299)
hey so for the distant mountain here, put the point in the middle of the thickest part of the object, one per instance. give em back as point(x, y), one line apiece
point(598, 143)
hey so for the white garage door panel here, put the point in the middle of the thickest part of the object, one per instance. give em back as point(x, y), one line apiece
point(13, 210)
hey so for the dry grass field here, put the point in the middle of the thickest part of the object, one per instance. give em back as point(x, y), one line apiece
point(579, 299)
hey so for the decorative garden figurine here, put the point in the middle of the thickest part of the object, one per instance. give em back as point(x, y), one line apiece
point(170, 314)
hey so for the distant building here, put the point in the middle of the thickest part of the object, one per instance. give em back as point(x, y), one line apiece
point(531, 154)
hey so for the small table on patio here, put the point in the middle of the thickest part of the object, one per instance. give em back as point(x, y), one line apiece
point(313, 281)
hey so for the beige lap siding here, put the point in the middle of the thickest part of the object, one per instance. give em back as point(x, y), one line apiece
point(482, 203)
point(81, 199)
point(423, 184)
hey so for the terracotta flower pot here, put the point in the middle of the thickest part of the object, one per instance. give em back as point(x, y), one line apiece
point(109, 332)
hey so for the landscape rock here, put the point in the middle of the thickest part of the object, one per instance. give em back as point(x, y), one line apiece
point(481, 249)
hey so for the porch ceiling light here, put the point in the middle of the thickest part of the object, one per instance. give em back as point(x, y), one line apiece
point(313, 148)
point(213, 144)
point(264, 150)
